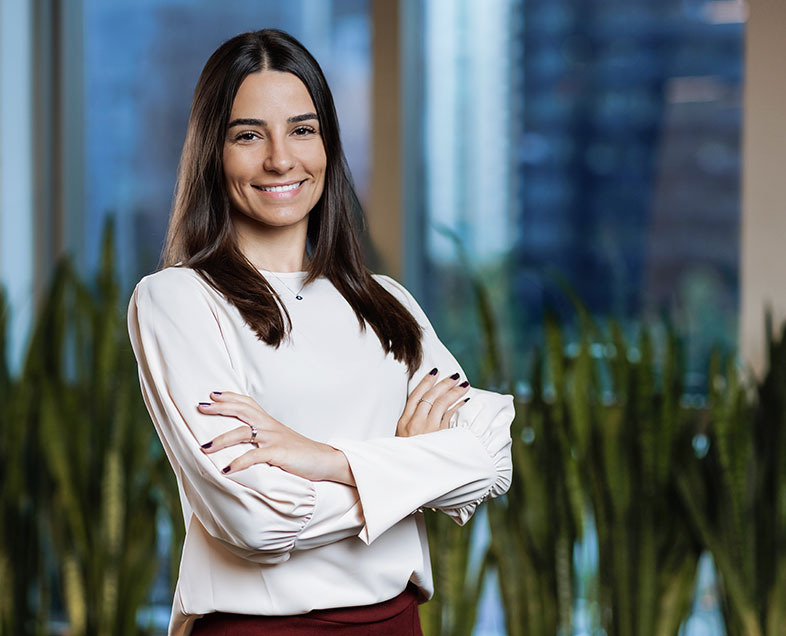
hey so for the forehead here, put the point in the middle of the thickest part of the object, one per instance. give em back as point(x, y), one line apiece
point(268, 94)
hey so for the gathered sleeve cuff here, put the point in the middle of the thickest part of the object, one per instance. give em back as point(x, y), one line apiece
point(261, 513)
point(488, 416)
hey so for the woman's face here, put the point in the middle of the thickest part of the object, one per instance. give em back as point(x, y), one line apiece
point(274, 159)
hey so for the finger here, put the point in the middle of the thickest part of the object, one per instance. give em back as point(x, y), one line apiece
point(447, 391)
point(435, 397)
point(246, 460)
point(241, 410)
point(443, 403)
point(442, 387)
point(445, 423)
point(229, 396)
point(237, 435)
point(458, 391)
point(424, 385)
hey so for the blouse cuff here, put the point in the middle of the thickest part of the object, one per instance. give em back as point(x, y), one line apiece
point(337, 514)
point(488, 416)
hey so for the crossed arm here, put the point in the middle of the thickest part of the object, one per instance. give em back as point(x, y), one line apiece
point(429, 408)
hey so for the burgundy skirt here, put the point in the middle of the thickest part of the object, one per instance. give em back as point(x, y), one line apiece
point(395, 617)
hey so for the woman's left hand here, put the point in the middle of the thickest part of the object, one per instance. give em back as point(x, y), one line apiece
point(277, 445)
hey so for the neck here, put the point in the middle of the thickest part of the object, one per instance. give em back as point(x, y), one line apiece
point(275, 249)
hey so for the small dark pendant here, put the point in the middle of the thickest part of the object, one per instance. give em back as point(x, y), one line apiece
point(299, 297)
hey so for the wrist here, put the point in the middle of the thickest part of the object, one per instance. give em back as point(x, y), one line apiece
point(338, 468)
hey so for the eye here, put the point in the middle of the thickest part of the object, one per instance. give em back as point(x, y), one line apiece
point(246, 136)
point(302, 131)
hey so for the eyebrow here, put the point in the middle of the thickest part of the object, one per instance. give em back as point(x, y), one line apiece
point(261, 122)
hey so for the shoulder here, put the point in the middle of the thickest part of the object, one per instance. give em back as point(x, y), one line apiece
point(173, 289)
point(404, 296)
point(172, 281)
point(395, 288)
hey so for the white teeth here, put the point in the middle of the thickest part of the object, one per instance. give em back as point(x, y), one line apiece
point(286, 188)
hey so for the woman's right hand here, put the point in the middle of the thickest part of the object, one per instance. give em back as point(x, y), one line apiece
point(421, 417)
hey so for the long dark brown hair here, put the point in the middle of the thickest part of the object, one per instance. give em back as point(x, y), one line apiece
point(200, 234)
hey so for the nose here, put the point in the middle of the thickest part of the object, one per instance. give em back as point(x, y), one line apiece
point(278, 156)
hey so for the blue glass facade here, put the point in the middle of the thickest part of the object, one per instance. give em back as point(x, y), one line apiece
point(617, 129)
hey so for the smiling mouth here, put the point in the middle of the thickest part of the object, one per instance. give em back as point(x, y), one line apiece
point(282, 188)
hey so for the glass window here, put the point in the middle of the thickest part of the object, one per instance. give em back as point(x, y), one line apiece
point(142, 60)
point(588, 144)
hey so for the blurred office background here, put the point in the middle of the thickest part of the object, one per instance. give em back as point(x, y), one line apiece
point(544, 147)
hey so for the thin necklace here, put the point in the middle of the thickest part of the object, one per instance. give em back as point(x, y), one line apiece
point(297, 295)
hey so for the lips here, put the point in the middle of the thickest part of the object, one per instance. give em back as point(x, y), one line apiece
point(283, 187)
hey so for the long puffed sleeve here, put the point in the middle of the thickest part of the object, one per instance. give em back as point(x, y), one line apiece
point(452, 469)
point(261, 513)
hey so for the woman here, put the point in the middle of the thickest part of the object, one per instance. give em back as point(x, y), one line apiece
point(305, 444)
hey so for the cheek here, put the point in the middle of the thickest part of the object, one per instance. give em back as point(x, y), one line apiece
point(322, 170)
point(319, 163)
point(235, 168)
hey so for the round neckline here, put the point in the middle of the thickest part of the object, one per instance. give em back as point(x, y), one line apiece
point(282, 274)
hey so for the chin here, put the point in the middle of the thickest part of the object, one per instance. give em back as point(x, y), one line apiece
point(279, 221)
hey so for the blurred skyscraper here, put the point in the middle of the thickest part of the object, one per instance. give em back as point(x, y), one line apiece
point(588, 142)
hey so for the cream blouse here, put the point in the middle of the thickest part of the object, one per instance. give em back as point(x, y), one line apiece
point(265, 541)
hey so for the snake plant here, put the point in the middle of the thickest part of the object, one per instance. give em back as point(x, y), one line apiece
point(736, 494)
point(25, 587)
point(75, 422)
point(637, 438)
point(608, 432)
point(458, 564)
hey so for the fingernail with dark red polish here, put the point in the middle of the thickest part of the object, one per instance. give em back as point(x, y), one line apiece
point(433, 371)
point(216, 393)
point(455, 376)
point(225, 469)
point(204, 404)
point(208, 445)
point(466, 399)
point(464, 383)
